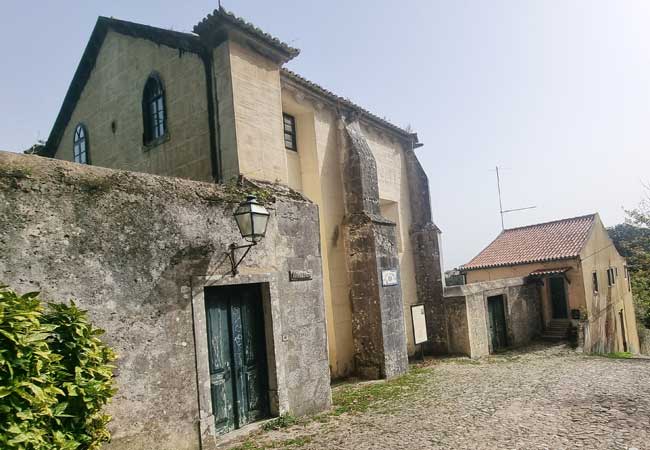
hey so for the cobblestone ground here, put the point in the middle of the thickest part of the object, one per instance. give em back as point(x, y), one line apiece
point(543, 398)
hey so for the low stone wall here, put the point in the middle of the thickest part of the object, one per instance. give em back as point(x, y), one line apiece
point(644, 340)
point(468, 321)
point(130, 248)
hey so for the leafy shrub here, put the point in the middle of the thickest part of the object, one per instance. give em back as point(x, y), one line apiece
point(55, 376)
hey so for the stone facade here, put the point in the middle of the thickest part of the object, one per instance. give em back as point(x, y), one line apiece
point(232, 125)
point(137, 251)
point(110, 106)
point(467, 320)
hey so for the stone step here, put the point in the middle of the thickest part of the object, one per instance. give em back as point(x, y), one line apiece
point(554, 338)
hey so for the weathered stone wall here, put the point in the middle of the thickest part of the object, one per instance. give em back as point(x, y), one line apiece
point(522, 303)
point(113, 94)
point(458, 335)
point(127, 247)
point(377, 314)
point(425, 241)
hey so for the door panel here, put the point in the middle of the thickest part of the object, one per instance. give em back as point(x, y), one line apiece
point(239, 387)
point(497, 321)
point(220, 364)
point(558, 298)
point(254, 357)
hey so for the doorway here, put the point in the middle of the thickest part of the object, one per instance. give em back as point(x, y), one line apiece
point(237, 355)
point(497, 322)
point(558, 298)
point(623, 334)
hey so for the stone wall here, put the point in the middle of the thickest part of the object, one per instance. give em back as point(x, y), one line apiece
point(134, 250)
point(377, 314)
point(115, 129)
point(467, 318)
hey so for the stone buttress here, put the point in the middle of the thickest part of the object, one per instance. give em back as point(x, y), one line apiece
point(425, 241)
point(377, 311)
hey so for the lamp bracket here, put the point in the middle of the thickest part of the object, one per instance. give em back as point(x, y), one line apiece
point(231, 255)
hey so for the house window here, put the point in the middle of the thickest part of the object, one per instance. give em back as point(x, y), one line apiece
point(611, 279)
point(80, 145)
point(289, 132)
point(594, 282)
point(154, 113)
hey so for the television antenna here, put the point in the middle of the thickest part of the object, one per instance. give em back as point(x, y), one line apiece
point(506, 211)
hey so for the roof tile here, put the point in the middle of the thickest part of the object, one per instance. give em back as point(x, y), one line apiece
point(560, 239)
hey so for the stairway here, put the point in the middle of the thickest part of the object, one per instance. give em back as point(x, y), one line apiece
point(557, 330)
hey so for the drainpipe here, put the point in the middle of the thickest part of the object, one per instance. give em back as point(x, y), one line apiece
point(213, 117)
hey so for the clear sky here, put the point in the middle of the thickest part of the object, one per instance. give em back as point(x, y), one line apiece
point(556, 92)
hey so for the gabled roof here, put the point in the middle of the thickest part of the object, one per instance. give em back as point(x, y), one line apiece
point(221, 21)
point(338, 100)
point(218, 24)
point(174, 39)
point(557, 240)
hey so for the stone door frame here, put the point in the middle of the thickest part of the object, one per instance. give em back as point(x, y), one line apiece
point(278, 396)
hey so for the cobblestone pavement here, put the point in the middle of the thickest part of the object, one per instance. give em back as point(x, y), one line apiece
point(542, 398)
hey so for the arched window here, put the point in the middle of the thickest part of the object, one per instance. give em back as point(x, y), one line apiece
point(153, 110)
point(80, 145)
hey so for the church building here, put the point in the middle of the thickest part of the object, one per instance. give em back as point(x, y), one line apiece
point(218, 105)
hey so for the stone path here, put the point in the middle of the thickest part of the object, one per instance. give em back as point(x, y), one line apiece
point(544, 398)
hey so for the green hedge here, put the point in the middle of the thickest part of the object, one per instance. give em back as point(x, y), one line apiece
point(55, 376)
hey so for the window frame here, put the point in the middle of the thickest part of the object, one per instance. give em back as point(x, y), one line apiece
point(155, 129)
point(594, 281)
point(292, 133)
point(83, 140)
point(611, 279)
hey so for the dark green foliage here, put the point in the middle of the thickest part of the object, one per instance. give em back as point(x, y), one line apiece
point(55, 376)
point(633, 243)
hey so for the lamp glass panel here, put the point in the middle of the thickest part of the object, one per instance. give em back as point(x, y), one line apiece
point(245, 223)
point(259, 223)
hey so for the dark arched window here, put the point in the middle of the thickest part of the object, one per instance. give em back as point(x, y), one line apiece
point(80, 145)
point(153, 110)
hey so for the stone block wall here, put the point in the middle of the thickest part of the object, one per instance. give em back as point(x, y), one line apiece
point(467, 318)
point(115, 129)
point(130, 248)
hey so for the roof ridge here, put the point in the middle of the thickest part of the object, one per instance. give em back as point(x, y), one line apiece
point(584, 216)
point(113, 20)
point(563, 239)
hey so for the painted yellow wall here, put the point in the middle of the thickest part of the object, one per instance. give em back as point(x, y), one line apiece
point(318, 171)
point(257, 103)
point(598, 255)
point(114, 93)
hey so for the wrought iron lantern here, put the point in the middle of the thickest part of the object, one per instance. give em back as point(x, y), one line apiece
point(252, 219)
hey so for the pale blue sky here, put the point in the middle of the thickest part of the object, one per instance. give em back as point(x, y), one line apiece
point(556, 91)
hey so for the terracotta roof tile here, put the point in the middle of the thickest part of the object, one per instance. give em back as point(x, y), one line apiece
point(560, 239)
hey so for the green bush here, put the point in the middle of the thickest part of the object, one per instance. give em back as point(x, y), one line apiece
point(55, 376)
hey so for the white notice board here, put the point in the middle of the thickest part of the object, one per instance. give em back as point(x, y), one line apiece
point(419, 324)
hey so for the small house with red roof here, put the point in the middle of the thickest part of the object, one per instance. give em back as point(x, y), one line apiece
point(581, 283)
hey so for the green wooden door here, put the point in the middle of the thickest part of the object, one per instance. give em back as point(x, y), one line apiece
point(558, 298)
point(497, 322)
point(220, 361)
point(237, 356)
